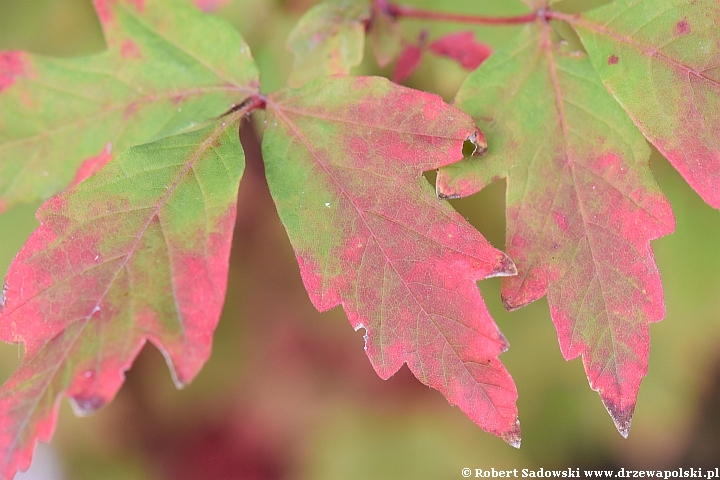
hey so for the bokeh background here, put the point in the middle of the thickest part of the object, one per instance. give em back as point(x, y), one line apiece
point(289, 393)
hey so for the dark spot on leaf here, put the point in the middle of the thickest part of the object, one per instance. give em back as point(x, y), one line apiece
point(613, 60)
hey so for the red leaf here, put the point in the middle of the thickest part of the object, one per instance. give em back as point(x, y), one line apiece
point(93, 165)
point(407, 63)
point(462, 47)
point(582, 206)
point(344, 161)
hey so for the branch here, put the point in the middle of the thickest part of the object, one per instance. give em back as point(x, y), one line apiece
point(404, 11)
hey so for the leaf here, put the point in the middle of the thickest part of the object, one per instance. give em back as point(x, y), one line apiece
point(167, 68)
point(409, 60)
point(344, 160)
point(137, 252)
point(385, 36)
point(582, 206)
point(660, 60)
point(328, 40)
point(462, 47)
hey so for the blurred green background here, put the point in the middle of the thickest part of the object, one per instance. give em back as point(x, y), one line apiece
point(289, 393)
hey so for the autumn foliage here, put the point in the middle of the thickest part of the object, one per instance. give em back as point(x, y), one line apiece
point(136, 153)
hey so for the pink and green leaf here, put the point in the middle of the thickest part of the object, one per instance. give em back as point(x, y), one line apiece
point(328, 40)
point(168, 67)
point(344, 160)
point(582, 206)
point(137, 252)
point(661, 60)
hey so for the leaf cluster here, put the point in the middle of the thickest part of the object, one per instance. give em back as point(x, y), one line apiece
point(137, 154)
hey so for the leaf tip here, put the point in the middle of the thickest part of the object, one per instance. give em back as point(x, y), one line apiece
point(92, 165)
point(86, 405)
point(622, 417)
point(505, 267)
point(513, 437)
point(511, 304)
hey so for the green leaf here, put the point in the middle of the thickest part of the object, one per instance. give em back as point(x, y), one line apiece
point(328, 40)
point(168, 67)
point(385, 36)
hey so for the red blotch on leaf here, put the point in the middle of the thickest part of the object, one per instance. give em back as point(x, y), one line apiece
point(613, 60)
point(561, 220)
point(682, 27)
point(129, 49)
point(210, 5)
point(104, 8)
point(12, 66)
point(92, 165)
point(462, 47)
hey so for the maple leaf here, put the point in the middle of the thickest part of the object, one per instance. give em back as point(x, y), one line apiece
point(167, 67)
point(582, 206)
point(344, 160)
point(137, 252)
point(329, 39)
point(660, 59)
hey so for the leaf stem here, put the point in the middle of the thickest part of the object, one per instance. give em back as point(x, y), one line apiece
point(572, 19)
point(405, 11)
point(251, 103)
